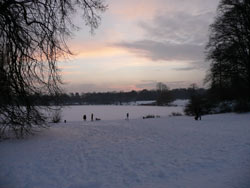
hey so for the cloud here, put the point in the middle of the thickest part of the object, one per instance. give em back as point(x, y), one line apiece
point(86, 88)
point(179, 27)
point(110, 87)
point(151, 84)
point(102, 87)
point(166, 51)
point(179, 36)
point(147, 84)
point(193, 65)
point(177, 84)
point(95, 50)
point(132, 9)
point(184, 68)
point(171, 84)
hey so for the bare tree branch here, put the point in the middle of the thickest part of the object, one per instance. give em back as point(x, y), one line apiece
point(33, 37)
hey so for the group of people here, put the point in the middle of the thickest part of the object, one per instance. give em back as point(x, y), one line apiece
point(84, 117)
point(197, 116)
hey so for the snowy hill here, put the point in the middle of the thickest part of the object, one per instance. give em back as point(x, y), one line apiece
point(172, 152)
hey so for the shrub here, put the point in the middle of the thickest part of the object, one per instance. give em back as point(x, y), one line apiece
point(148, 116)
point(242, 106)
point(176, 114)
point(56, 116)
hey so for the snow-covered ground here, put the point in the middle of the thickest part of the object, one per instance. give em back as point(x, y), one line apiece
point(180, 102)
point(137, 103)
point(168, 152)
point(112, 112)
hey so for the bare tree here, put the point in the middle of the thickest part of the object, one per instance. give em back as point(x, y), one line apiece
point(229, 50)
point(32, 39)
point(164, 95)
point(160, 87)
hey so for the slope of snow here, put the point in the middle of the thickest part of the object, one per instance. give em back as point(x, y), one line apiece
point(173, 152)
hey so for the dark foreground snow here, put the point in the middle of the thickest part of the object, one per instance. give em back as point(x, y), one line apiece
point(168, 152)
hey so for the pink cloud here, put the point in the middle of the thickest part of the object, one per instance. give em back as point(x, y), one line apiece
point(130, 9)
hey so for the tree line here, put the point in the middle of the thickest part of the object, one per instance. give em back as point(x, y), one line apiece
point(95, 98)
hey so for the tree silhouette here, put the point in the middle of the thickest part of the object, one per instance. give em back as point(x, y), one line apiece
point(229, 50)
point(164, 94)
point(32, 38)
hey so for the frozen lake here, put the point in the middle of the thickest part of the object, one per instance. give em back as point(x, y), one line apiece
point(113, 112)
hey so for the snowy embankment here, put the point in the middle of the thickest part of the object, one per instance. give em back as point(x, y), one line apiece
point(153, 153)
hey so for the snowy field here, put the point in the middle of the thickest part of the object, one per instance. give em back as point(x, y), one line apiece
point(167, 152)
point(112, 112)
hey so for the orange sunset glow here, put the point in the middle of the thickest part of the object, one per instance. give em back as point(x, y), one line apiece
point(140, 43)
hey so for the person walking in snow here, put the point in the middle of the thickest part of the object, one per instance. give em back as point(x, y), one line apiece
point(84, 117)
point(127, 116)
point(197, 112)
point(92, 117)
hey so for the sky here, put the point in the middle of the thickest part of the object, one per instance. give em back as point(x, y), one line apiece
point(140, 43)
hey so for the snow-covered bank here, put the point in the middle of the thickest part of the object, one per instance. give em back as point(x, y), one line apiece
point(153, 153)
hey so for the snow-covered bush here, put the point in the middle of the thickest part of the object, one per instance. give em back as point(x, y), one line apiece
point(176, 114)
point(226, 106)
point(56, 116)
point(148, 116)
